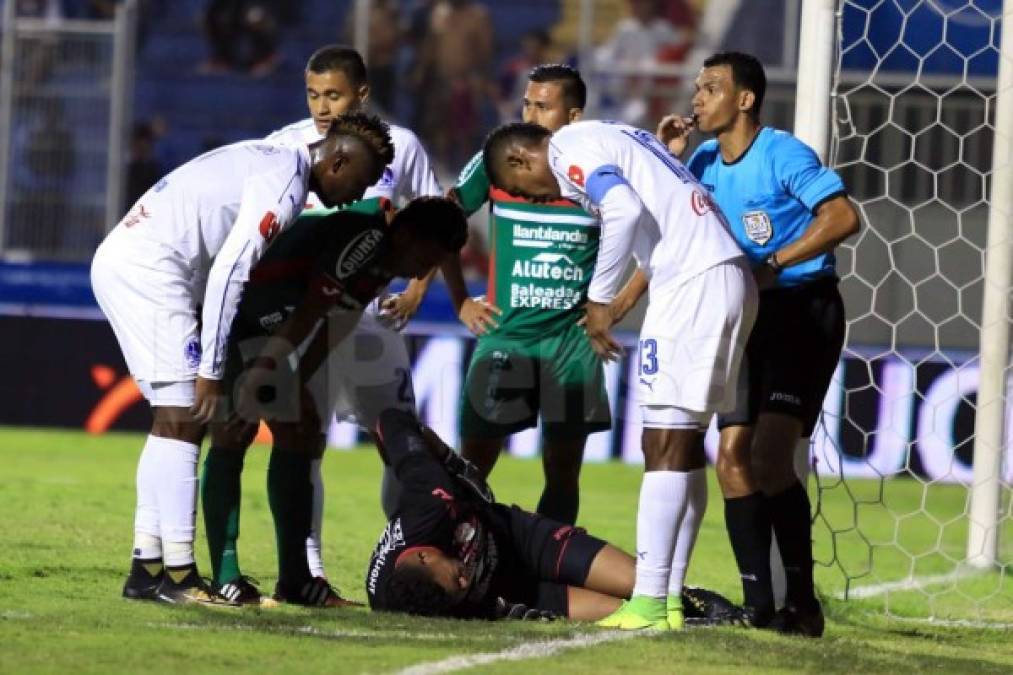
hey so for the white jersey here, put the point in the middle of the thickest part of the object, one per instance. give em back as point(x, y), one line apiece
point(218, 213)
point(649, 204)
point(410, 175)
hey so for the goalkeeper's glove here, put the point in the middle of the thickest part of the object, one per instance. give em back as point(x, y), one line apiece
point(469, 475)
point(520, 612)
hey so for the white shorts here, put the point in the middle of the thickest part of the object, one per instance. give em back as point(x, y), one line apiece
point(693, 337)
point(368, 372)
point(146, 290)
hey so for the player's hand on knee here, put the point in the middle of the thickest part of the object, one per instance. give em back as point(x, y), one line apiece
point(598, 319)
point(477, 314)
point(207, 399)
point(673, 131)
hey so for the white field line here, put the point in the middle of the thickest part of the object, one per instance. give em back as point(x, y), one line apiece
point(955, 623)
point(909, 584)
point(529, 650)
point(313, 630)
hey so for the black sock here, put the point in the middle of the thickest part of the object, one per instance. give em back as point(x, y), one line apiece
point(181, 574)
point(748, 522)
point(559, 504)
point(790, 515)
point(290, 494)
point(146, 568)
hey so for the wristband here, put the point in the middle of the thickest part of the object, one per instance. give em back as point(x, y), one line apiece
point(772, 263)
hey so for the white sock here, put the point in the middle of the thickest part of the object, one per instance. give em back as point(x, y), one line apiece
point(662, 502)
point(147, 546)
point(313, 545)
point(177, 497)
point(147, 529)
point(688, 529)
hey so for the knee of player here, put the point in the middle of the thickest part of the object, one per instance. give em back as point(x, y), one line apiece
point(297, 437)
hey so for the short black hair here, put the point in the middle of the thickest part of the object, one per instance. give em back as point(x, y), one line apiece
point(369, 129)
point(341, 58)
point(411, 589)
point(747, 73)
point(499, 140)
point(434, 218)
point(569, 79)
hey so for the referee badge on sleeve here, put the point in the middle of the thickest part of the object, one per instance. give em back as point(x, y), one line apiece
point(758, 227)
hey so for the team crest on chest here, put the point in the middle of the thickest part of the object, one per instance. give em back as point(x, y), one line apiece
point(758, 227)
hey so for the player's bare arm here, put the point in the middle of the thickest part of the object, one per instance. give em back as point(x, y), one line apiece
point(836, 220)
point(403, 306)
point(630, 295)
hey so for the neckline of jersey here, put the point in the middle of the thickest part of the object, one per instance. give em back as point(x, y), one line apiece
point(744, 152)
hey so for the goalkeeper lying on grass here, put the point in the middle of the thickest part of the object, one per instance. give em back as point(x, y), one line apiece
point(451, 550)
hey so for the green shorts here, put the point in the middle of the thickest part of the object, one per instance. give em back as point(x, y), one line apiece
point(511, 380)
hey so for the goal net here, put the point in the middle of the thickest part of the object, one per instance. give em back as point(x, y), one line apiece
point(913, 134)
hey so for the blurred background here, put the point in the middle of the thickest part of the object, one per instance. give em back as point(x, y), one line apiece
point(99, 98)
point(176, 78)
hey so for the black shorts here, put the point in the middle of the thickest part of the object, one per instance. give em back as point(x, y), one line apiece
point(552, 556)
point(791, 354)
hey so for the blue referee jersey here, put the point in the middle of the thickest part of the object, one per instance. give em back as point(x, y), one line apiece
point(769, 196)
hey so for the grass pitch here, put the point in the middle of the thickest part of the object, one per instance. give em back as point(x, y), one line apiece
point(66, 504)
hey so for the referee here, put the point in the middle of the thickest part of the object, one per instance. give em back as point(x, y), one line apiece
point(788, 212)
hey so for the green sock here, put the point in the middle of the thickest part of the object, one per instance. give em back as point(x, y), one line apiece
point(290, 494)
point(221, 494)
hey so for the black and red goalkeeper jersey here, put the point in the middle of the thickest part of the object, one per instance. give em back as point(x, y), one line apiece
point(436, 510)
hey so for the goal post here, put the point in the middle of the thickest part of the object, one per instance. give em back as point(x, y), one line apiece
point(983, 528)
point(909, 100)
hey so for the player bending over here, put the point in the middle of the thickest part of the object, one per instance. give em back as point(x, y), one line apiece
point(702, 306)
point(191, 241)
point(330, 265)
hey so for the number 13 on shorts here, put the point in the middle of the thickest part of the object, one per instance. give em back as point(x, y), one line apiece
point(649, 357)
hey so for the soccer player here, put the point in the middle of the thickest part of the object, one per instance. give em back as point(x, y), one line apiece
point(788, 212)
point(330, 264)
point(336, 84)
point(702, 306)
point(191, 241)
point(450, 550)
point(532, 356)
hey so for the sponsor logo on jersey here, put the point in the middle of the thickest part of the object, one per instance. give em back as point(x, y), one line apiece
point(357, 252)
point(191, 352)
point(391, 539)
point(135, 216)
point(575, 174)
point(545, 237)
point(269, 226)
point(757, 226)
point(549, 266)
point(701, 203)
